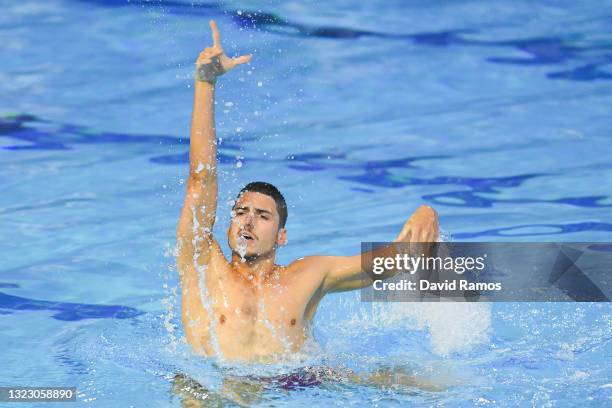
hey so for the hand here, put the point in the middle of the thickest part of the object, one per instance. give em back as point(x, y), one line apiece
point(422, 226)
point(212, 62)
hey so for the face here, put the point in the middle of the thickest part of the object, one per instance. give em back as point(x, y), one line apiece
point(254, 226)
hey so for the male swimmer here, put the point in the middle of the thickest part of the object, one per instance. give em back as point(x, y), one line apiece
point(253, 309)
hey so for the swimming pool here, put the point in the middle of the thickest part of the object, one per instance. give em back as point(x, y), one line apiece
point(495, 114)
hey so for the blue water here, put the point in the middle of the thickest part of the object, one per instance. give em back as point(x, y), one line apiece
point(495, 113)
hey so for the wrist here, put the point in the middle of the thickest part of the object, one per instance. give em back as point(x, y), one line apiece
point(206, 73)
point(203, 86)
point(208, 83)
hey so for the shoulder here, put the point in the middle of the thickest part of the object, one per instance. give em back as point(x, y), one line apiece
point(217, 258)
point(205, 251)
point(308, 273)
point(307, 262)
point(313, 264)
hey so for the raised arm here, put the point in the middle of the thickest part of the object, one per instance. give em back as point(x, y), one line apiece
point(195, 242)
point(194, 230)
point(342, 273)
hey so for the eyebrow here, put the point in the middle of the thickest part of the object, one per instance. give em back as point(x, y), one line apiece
point(257, 210)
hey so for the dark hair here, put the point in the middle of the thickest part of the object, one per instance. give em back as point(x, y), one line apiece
point(271, 191)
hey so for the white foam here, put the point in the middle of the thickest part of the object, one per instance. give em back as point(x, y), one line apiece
point(452, 326)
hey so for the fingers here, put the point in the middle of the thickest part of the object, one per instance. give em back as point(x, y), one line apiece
point(208, 52)
point(214, 52)
point(242, 59)
point(416, 235)
point(207, 55)
point(416, 242)
point(215, 34)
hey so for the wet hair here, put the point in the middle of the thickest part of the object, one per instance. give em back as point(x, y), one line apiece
point(271, 191)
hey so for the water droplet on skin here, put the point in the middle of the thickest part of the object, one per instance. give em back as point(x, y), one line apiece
point(241, 248)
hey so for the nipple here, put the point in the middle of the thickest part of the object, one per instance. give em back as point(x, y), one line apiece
point(222, 319)
point(293, 322)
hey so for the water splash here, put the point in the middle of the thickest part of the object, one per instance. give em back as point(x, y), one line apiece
point(453, 327)
point(169, 302)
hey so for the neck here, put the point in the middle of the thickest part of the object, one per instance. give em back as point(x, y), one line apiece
point(255, 267)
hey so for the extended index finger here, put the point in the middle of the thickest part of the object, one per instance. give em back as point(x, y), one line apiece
point(215, 34)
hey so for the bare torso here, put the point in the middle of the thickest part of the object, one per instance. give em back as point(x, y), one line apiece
point(250, 317)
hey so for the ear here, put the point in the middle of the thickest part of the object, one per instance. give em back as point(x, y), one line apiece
point(281, 237)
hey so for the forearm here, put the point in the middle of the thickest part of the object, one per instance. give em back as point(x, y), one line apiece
point(210, 64)
point(199, 208)
point(390, 251)
point(200, 205)
point(345, 273)
point(203, 143)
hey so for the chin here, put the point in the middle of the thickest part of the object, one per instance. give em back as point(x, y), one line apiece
point(237, 249)
point(249, 256)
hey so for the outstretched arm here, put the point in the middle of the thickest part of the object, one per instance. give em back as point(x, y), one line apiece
point(343, 273)
point(194, 230)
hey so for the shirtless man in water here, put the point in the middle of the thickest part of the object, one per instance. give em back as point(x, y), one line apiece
point(252, 309)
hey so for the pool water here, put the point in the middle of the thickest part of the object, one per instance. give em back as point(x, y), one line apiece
point(495, 113)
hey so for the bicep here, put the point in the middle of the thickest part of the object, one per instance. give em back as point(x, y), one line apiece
point(344, 273)
point(195, 244)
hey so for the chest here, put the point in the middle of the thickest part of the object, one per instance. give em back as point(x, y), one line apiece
point(238, 303)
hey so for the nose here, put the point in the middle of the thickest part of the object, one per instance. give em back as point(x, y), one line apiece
point(248, 220)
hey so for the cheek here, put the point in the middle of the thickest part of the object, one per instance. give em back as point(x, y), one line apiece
point(272, 231)
point(234, 227)
point(236, 222)
point(263, 228)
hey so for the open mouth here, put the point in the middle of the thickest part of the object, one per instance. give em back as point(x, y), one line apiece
point(247, 236)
